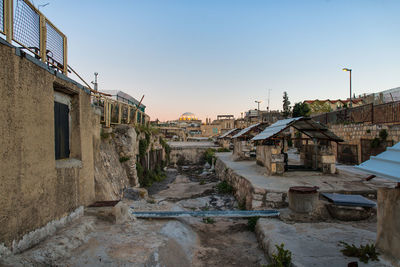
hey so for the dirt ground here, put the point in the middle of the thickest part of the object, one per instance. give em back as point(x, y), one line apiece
point(93, 241)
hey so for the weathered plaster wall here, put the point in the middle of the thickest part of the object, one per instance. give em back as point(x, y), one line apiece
point(34, 190)
point(388, 230)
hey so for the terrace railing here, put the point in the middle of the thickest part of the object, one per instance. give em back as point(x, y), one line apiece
point(25, 25)
point(118, 112)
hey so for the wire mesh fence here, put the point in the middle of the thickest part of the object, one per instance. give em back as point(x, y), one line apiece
point(23, 24)
point(27, 26)
point(2, 16)
point(383, 113)
point(54, 46)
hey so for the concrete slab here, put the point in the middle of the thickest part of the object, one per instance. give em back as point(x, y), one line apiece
point(315, 244)
point(346, 182)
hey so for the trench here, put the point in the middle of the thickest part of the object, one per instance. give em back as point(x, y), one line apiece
point(221, 241)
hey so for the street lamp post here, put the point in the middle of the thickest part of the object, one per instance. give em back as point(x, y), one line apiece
point(258, 109)
point(349, 70)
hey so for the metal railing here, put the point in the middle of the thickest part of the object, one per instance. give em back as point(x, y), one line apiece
point(25, 25)
point(382, 113)
point(117, 112)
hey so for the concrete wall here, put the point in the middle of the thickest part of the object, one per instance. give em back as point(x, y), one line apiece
point(388, 232)
point(34, 187)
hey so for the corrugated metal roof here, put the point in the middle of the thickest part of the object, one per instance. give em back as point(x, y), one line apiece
point(275, 128)
point(227, 133)
point(386, 164)
point(307, 126)
point(245, 130)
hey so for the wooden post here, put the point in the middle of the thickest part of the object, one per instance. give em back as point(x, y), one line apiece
point(43, 38)
point(65, 55)
point(119, 113)
point(372, 113)
point(129, 114)
point(8, 20)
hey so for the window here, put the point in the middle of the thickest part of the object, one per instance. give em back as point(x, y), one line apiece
point(62, 104)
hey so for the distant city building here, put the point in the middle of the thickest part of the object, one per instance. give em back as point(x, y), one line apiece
point(321, 106)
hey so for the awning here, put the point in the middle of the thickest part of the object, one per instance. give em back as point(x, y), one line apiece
point(385, 165)
point(311, 128)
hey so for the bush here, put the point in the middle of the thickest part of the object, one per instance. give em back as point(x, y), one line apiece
point(364, 253)
point(123, 159)
point(251, 223)
point(375, 142)
point(383, 134)
point(224, 188)
point(282, 259)
point(223, 149)
point(209, 155)
point(166, 147)
point(208, 220)
point(143, 146)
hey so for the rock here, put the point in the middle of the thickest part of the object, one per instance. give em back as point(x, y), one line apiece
point(123, 213)
point(204, 173)
point(135, 193)
point(207, 165)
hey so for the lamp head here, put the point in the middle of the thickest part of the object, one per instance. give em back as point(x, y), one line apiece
point(346, 69)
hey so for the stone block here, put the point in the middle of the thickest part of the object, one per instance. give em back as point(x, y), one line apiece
point(256, 204)
point(328, 168)
point(328, 159)
point(274, 197)
point(258, 197)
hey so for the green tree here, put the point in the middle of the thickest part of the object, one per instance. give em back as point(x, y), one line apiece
point(301, 110)
point(320, 107)
point(286, 105)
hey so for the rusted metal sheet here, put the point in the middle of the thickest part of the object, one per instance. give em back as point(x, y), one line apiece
point(304, 189)
point(209, 213)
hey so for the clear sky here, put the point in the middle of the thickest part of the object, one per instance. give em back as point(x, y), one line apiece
point(215, 57)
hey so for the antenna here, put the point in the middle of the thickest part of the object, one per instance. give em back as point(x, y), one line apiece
point(269, 93)
point(39, 6)
point(95, 81)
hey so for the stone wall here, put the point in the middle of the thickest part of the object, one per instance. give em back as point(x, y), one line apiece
point(388, 230)
point(353, 133)
point(318, 157)
point(188, 152)
point(271, 158)
point(35, 188)
point(251, 197)
point(240, 148)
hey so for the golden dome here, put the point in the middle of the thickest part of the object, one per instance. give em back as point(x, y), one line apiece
point(188, 116)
